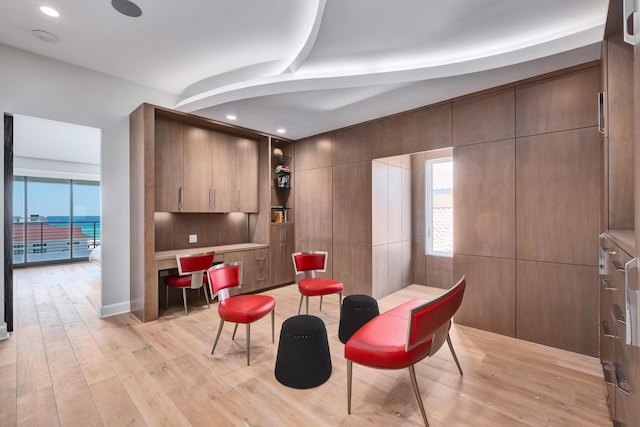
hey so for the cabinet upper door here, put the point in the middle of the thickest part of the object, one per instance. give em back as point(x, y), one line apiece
point(223, 167)
point(168, 165)
point(247, 175)
point(197, 196)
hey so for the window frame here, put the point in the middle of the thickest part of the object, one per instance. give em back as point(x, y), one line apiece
point(429, 206)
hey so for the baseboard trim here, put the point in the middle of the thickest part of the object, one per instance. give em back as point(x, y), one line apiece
point(114, 309)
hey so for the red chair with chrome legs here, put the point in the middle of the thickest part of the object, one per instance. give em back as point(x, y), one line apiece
point(309, 264)
point(240, 308)
point(403, 336)
point(191, 275)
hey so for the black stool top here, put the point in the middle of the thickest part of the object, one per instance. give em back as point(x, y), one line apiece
point(356, 310)
point(303, 325)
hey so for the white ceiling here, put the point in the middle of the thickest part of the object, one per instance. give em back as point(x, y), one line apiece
point(314, 65)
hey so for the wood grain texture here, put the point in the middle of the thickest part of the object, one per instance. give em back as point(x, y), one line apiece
point(352, 265)
point(490, 297)
point(484, 199)
point(162, 372)
point(314, 204)
point(439, 271)
point(619, 102)
point(352, 145)
point(426, 129)
point(558, 192)
point(568, 101)
point(197, 169)
point(352, 203)
point(484, 118)
point(169, 156)
point(557, 305)
point(313, 153)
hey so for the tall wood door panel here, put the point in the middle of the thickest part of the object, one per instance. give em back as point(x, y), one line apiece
point(557, 305)
point(484, 199)
point(247, 175)
point(558, 197)
point(490, 297)
point(168, 152)
point(282, 245)
point(223, 163)
point(197, 170)
point(314, 205)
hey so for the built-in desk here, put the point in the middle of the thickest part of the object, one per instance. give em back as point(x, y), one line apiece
point(254, 257)
point(166, 260)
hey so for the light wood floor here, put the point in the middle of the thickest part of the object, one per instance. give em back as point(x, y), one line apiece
point(64, 366)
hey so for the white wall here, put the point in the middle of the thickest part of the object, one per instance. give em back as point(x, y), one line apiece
point(37, 86)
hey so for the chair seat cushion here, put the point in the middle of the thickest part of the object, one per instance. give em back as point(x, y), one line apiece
point(381, 342)
point(245, 308)
point(315, 286)
point(176, 281)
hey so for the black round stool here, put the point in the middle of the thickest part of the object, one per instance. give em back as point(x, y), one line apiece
point(303, 359)
point(355, 312)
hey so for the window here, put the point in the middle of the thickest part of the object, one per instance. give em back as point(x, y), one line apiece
point(439, 197)
point(54, 219)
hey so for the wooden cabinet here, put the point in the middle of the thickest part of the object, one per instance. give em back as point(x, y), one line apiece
point(247, 174)
point(255, 269)
point(169, 165)
point(197, 170)
point(282, 245)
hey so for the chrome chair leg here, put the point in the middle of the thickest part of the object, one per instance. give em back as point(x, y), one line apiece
point(166, 295)
point(349, 376)
point(206, 297)
point(414, 383)
point(184, 298)
point(307, 301)
point(300, 305)
point(217, 336)
point(320, 303)
point(235, 329)
point(248, 342)
point(273, 326)
point(453, 353)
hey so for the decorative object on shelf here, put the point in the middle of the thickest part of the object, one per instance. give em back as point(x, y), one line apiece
point(284, 179)
point(277, 152)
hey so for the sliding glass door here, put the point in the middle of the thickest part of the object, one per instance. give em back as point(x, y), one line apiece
point(54, 219)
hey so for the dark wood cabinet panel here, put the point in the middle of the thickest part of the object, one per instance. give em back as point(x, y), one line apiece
point(484, 199)
point(352, 145)
point(314, 152)
point(197, 170)
point(439, 271)
point(314, 204)
point(223, 163)
point(568, 101)
point(282, 245)
point(619, 101)
point(168, 158)
point(247, 174)
point(426, 129)
point(484, 118)
point(558, 197)
point(352, 203)
point(490, 297)
point(352, 266)
point(557, 305)
point(386, 138)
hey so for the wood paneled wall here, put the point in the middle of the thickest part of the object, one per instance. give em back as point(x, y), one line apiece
point(526, 204)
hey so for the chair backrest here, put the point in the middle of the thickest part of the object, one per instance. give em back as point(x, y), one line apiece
point(433, 319)
point(310, 262)
point(195, 265)
point(224, 276)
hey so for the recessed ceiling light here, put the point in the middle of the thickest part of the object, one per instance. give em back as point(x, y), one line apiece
point(127, 8)
point(231, 117)
point(281, 130)
point(45, 36)
point(49, 11)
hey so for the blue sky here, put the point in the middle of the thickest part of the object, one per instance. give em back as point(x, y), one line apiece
point(51, 197)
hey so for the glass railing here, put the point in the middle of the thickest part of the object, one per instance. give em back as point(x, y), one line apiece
point(51, 240)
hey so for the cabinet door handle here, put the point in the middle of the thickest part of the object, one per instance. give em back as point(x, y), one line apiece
point(601, 112)
point(238, 199)
point(632, 315)
point(261, 279)
point(261, 259)
point(180, 198)
point(214, 199)
point(606, 286)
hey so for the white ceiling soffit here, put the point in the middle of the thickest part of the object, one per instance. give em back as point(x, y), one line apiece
point(47, 139)
point(315, 65)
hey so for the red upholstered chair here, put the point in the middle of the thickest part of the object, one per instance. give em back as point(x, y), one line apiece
point(191, 275)
point(244, 309)
point(403, 336)
point(310, 263)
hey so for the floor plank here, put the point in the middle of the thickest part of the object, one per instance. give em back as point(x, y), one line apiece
point(65, 366)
